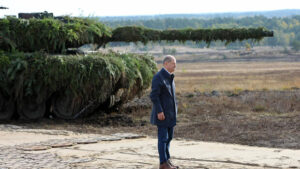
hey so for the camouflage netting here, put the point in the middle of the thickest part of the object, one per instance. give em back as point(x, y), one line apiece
point(72, 85)
point(50, 35)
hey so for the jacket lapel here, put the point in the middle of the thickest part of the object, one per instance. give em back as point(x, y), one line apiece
point(163, 74)
point(173, 87)
point(168, 86)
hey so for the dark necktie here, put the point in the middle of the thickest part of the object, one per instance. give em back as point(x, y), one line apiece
point(172, 77)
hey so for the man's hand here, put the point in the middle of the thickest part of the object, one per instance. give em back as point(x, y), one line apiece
point(161, 116)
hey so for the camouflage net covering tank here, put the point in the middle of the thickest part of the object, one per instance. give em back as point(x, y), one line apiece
point(36, 78)
point(71, 83)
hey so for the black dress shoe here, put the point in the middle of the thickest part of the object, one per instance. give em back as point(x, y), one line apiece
point(171, 164)
point(166, 165)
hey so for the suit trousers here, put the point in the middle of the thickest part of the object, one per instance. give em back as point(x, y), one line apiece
point(165, 135)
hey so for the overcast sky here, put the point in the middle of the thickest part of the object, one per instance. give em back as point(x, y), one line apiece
point(141, 7)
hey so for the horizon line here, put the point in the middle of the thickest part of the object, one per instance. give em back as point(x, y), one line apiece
point(205, 13)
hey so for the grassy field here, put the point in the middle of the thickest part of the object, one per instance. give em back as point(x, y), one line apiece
point(237, 76)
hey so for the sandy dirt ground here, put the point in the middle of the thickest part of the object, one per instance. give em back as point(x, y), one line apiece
point(130, 153)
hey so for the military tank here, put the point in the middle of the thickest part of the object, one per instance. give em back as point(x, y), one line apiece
point(38, 77)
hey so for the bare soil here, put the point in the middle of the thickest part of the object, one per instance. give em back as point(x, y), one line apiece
point(256, 118)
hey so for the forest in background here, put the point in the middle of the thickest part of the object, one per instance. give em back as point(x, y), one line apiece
point(286, 29)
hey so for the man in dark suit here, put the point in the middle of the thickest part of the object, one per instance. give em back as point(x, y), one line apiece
point(164, 110)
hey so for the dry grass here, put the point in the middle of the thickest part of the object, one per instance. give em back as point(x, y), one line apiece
point(237, 75)
point(262, 118)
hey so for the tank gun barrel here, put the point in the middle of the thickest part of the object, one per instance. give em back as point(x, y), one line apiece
point(56, 35)
point(135, 34)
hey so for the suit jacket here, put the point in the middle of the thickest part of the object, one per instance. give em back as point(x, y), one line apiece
point(164, 99)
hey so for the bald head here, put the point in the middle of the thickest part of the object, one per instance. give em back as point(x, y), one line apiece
point(168, 58)
point(169, 63)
